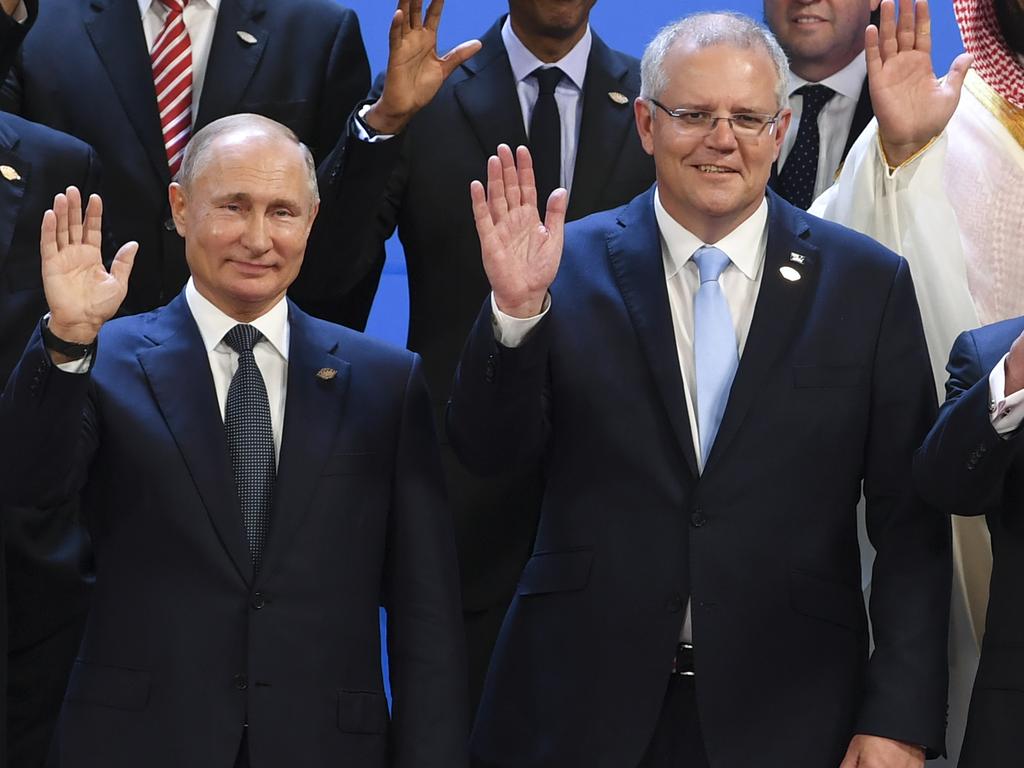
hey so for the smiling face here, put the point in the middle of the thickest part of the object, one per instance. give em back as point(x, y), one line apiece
point(819, 36)
point(711, 183)
point(557, 19)
point(245, 217)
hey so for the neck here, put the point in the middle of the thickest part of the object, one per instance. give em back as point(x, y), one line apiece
point(546, 48)
point(816, 71)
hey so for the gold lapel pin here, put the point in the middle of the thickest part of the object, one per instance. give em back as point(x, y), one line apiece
point(9, 173)
point(618, 98)
point(326, 374)
point(789, 273)
point(246, 37)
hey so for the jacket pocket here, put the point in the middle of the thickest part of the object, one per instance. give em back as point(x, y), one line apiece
point(556, 572)
point(828, 376)
point(362, 712)
point(831, 601)
point(115, 687)
point(352, 464)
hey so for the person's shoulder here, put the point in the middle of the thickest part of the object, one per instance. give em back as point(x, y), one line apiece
point(326, 13)
point(41, 140)
point(613, 56)
point(353, 345)
point(997, 337)
point(842, 247)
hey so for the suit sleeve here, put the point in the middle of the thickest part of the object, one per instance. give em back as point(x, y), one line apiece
point(906, 684)
point(426, 651)
point(961, 466)
point(497, 417)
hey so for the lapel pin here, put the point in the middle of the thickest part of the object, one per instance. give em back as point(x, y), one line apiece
point(246, 37)
point(618, 98)
point(797, 258)
point(9, 173)
point(326, 374)
point(789, 273)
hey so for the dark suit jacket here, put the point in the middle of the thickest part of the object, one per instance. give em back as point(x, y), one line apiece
point(182, 638)
point(46, 586)
point(966, 468)
point(85, 70)
point(833, 388)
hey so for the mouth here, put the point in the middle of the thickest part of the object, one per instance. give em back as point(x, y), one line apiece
point(251, 267)
point(713, 169)
point(808, 19)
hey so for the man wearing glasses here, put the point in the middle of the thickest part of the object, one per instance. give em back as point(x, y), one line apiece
point(709, 382)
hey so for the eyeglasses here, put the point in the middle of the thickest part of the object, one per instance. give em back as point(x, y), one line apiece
point(699, 123)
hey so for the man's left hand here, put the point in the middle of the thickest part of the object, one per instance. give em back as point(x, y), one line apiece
point(878, 752)
point(9, 6)
point(415, 72)
point(911, 104)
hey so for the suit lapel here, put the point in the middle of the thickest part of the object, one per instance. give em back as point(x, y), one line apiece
point(232, 61)
point(605, 126)
point(488, 97)
point(780, 303)
point(115, 28)
point(178, 370)
point(313, 410)
point(12, 191)
point(634, 251)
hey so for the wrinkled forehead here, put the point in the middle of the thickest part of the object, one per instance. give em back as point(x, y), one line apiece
point(721, 74)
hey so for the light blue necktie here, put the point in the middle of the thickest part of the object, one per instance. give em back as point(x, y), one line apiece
point(714, 346)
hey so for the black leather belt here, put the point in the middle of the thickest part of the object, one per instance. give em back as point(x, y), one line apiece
point(682, 664)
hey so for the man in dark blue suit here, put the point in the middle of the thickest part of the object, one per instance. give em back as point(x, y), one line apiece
point(40, 636)
point(709, 382)
point(251, 503)
point(971, 464)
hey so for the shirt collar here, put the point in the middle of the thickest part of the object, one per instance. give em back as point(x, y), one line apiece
point(847, 82)
point(213, 323)
point(745, 245)
point(573, 64)
point(145, 5)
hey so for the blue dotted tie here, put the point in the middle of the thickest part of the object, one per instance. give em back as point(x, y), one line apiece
point(714, 346)
point(799, 174)
point(250, 439)
point(546, 136)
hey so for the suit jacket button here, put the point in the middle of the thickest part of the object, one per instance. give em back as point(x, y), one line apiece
point(489, 369)
point(697, 519)
point(258, 601)
point(241, 682)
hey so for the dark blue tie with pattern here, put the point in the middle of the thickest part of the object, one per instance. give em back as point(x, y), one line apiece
point(796, 181)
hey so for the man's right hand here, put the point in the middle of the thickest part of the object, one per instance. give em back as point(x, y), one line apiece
point(9, 6)
point(80, 292)
point(520, 254)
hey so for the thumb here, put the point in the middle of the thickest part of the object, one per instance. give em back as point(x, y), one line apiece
point(958, 71)
point(121, 267)
point(459, 55)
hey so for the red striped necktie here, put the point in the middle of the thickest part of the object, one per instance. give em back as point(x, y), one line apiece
point(172, 75)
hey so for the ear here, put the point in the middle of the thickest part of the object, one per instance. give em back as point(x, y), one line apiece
point(312, 217)
point(644, 123)
point(179, 205)
point(785, 118)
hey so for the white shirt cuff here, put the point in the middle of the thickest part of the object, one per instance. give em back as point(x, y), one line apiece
point(1005, 411)
point(511, 331)
point(362, 134)
point(20, 13)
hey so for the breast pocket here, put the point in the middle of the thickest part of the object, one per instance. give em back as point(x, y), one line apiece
point(116, 687)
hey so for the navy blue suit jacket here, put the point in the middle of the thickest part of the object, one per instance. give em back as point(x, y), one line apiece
point(85, 70)
point(966, 468)
point(184, 644)
point(833, 389)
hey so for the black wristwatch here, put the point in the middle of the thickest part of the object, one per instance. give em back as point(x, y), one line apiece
point(69, 349)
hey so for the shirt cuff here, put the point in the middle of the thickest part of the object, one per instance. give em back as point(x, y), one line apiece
point(891, 169)
point(1005, 411)
point(363, 130)
point(20, 13)
point(511, 331)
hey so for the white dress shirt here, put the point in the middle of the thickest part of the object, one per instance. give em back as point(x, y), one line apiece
point(745, 246)
point(1005, 411)
point(200, 17)
point(833, 120)
point(271, 354)
point(568, 94)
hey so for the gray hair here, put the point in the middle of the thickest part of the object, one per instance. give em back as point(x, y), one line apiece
point(707, 29)
point(198, 148)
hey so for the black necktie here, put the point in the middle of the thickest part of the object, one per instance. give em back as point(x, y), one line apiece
point(250, 439)
point(796, 182)
point(546, 136)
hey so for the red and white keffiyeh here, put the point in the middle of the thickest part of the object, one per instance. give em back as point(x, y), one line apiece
point(994, 62)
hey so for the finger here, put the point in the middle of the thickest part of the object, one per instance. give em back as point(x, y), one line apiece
point(48, 237)
point(481, 211)
point(433, 18)
point(905, 26)
point(554, 215)
point(922, 26)
point(395, 32)
point(509, 177)
point(527, 180)
point(458, 56)
point(887, 29)
point(94, 221)
point(74, 215)
point(121, 267)
point(496, 202)
point(415, 14)
point(60, 209)
point(872, 55)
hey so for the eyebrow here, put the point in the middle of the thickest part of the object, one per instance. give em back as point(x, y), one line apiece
point(243, 197)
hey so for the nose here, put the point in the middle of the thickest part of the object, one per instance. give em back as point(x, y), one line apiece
point(256, 237)
point(721, 136)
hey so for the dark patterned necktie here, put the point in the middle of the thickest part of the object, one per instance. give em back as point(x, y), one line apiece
point(250, 439)
point(796, 182)
point(546, 136)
